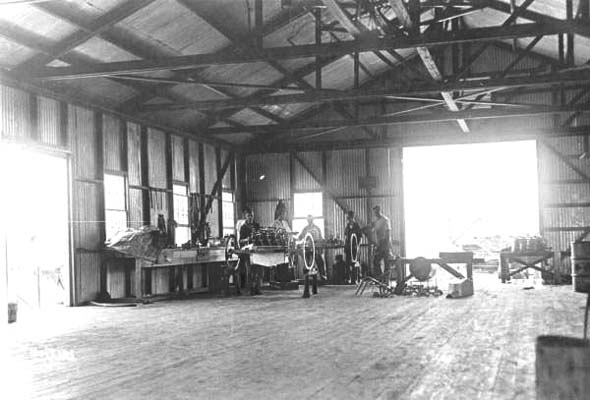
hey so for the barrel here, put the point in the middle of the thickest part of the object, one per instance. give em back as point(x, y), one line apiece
point(12, 308)
point(421, 269)
point(562, 368)
point(581, 266)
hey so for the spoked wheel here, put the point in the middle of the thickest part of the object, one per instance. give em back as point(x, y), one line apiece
point(231, 257)
point(309, 254)
point(355, 248)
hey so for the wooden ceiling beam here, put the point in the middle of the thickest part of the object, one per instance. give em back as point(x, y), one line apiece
point(372, 43)
point(545, 80)
point(434, 117)
point(412, 23)
point(139, 49)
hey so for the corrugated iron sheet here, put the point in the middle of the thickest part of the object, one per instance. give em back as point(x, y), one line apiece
point(268, 177)
point(194, 167)
point(135, 208)
point(303, 181)
point(13, 53)
point(171, 24)
point(48, 121)
point(213, 219)
point(158, 205)
point(134, 153)
point(157, 158)
point(380, 168)
point(566, 193)
point(15, 113)
point(264, 211)
point(82, 131)
point(87, 267)
point(87, 224)
point(344, 169)
point(103, 51)
point(113, 143)
point(178, 158)
point(566, 217)
point(210, 165)
point(34, 20)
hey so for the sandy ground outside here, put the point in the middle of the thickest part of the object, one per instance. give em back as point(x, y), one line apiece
point(280, 346)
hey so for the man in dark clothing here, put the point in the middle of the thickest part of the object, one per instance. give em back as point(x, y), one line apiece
point(247, 230)
point(382, 228)
point(316, 233)
point(351, 271)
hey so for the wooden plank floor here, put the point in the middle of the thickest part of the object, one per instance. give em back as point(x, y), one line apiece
point(278, 345)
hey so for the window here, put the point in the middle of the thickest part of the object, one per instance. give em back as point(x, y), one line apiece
point(308, 204)
point(228, 208)
point(182, 233)
point(115, 202)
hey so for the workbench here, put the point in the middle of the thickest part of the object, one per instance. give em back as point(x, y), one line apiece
point(537, 260)
point(139, 271)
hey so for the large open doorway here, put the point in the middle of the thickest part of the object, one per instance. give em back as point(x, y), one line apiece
point(34, 206)
point(469, 197)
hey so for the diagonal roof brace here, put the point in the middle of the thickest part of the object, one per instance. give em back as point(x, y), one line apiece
point(403, 15)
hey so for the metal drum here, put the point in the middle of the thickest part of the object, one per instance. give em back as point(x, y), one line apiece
point(421, 269)
point(581, 266)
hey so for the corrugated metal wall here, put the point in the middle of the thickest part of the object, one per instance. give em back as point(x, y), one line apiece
point(178, 158)
point(345, 172)
point(96, 143)
point(16, 113)
point(113, 143)
point(157, 158)
point(48, 121)
point(134, 153)
point(564, 192)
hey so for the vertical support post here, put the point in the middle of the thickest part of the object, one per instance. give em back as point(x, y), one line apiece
point(258, 22)
point(99, 172)
point(63, 124)
point(400, 176)
point(569, 11)
point(220, 191)
point(124, 143)
point(317, 12)
point(202, 199)
point(414, 12)
point(145, 179)
point(356, 80)
point(170, 201)
point(34, 116)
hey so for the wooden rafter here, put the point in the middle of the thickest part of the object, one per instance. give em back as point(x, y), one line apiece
point(101, 24)
point(408, 22)
point(303, 51)
point(441, 116)
point(482, 83)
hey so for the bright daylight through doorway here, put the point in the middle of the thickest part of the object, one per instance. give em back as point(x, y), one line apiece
point(456, 196)
point(34, 205)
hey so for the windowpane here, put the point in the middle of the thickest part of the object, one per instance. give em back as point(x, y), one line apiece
point(114, 192)
point(300, 223)
point(115, 221)
point(228, 212)
point(180, 205)
point(182, 234)
point(308, 203)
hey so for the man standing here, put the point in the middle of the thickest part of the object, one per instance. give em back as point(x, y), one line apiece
point(316, 234)
point(246, 231)
point(381, 229)
point(351, 271)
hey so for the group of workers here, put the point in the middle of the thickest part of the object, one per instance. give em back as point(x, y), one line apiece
point(378, 233)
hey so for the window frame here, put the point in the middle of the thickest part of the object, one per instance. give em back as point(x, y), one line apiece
point(228, 229)
point(181, 225)
point(319, 220)
point(115, 174)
